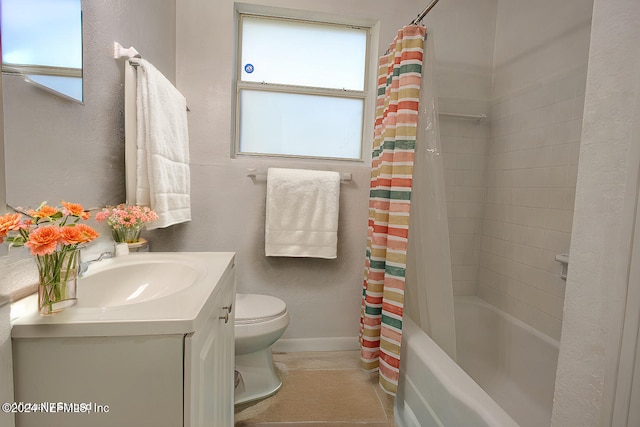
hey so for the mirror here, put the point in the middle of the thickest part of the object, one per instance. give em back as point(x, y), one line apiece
point(42, 41)
point(3, 191)
point(58, 150)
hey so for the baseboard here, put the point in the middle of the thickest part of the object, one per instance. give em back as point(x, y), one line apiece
point(404, 416)
point(290, 345)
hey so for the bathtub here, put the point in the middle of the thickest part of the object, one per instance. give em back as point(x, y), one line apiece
point(505, 373)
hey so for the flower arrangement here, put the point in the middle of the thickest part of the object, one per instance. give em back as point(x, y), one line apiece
point(126, 221)
point(54, 236)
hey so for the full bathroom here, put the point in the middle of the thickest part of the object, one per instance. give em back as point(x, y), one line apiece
point(524, 202)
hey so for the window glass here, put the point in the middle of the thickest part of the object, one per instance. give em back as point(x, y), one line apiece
point(303, 53)
point(304, 125)
point(301, 88)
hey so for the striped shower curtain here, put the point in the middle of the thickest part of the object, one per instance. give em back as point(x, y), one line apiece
point(399, 75)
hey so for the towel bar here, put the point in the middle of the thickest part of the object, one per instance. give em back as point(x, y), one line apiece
point(135, 64)
point(254, 173)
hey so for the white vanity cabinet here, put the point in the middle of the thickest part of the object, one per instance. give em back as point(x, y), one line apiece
point(209, 367)
point(175, 370)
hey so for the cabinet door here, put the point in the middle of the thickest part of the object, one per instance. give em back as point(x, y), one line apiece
point(127, 381)
point(209, 364)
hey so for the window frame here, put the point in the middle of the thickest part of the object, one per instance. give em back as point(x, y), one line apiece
point(363, 95)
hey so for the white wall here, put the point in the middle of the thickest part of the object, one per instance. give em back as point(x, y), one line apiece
point(606, 201)
point(228, 210)
point(323, 296)
point(3, 190)
point(60, 150)
point(539, 71)
point(56, 149)
point(6, 367)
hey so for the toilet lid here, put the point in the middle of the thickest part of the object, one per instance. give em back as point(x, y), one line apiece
point(253, 308)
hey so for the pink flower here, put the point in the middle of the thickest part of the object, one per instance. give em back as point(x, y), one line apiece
point(126, 216)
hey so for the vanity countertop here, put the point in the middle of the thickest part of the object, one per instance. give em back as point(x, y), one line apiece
point(168, 311)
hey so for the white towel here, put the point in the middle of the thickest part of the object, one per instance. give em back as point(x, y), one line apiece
point(302, 213)
point(163, 181)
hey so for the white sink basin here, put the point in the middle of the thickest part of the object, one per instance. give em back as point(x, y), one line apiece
point(122, 281)
point(137, 294)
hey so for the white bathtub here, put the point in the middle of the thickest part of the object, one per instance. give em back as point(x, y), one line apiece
point(514, 364)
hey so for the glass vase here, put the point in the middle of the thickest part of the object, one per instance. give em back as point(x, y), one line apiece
point(126, 234)
point(58, 280)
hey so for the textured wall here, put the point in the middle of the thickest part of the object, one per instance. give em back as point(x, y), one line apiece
point(6, 370)
point(3, 188)
point(57, 149)
point(606, 203)
point(323, 296)
point(60, 150)
point(228, 207)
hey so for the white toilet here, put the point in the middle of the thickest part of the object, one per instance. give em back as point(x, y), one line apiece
point(260, 321)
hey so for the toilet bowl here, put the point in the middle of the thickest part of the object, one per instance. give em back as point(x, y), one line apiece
point(260, 321)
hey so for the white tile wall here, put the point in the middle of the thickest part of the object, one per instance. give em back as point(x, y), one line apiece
point(532, 163)
point(464, 145)
point(538, 83)
point(510, 182)
point(463, 34)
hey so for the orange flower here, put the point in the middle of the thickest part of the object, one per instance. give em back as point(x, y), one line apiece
point(71, 235)
point(75, 209)
point(88, 232)
point(44, 240)
point(43, 212)
point(9, 222)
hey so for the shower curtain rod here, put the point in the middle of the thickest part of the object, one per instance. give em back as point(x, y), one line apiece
point(424, 13)
point(420, 17)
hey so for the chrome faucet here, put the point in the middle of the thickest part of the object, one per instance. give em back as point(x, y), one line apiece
point(84, 266)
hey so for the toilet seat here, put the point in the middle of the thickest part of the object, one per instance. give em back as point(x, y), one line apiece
point(253, 308)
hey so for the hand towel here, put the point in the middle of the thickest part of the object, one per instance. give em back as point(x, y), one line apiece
point(302, 213)
point(163, 177)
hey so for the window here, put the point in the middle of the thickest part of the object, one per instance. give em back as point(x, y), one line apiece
point(300, 88)
point(42, 40)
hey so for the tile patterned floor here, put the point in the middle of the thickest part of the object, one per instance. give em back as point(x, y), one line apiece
point(320, 389)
